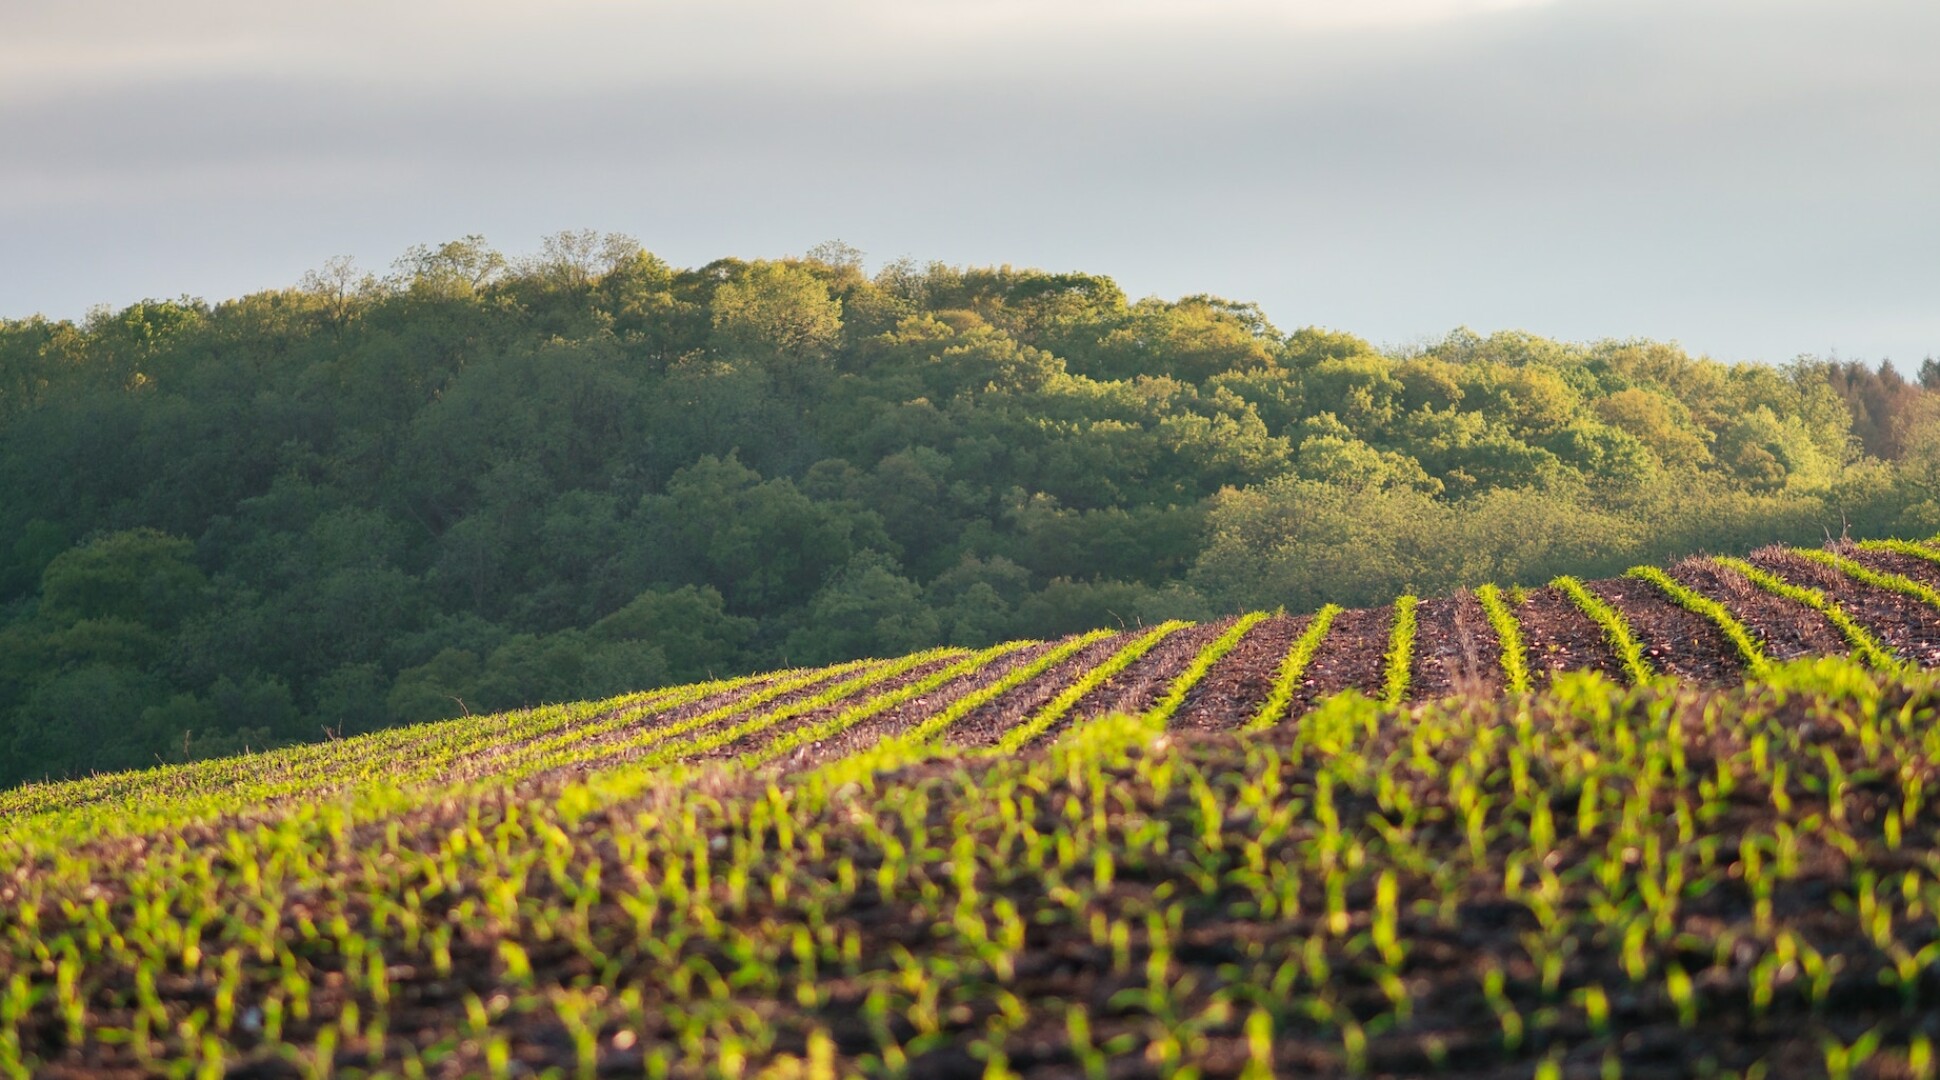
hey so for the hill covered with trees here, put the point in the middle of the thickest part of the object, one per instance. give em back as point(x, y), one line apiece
point(477, 483)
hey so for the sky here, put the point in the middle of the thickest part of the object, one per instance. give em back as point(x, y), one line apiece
point(1756, 179)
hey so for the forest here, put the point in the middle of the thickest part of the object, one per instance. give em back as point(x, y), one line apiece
point(476, 482)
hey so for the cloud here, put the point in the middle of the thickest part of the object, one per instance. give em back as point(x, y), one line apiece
point(1034, 16)
point(1753, 178)
point(55, 46)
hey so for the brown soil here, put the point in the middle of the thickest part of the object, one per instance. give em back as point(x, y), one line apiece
point(1788, 630)
point(1222, 938)
point(1351, 657)
point(613, 739)
point(478, 762)
point(1232, 691)
point(1907, 626)
point(1892, 562)
point(1139, 686)
point(896, 721)
point(756, 739)
point(1560, 638)
point(1456, 650)
point(1675, 641)
point(985, 726)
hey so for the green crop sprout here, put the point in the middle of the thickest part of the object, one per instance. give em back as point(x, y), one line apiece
point(1897, 583)
point(898, 865)
point(1401, 651)
point(1515, 655)
point(1616, 629)
point(1693, 601)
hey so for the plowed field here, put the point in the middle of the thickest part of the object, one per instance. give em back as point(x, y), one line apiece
point(1157, 851)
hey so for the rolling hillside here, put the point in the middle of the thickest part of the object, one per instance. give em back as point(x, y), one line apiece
point(1127, 852)
point(494, 482)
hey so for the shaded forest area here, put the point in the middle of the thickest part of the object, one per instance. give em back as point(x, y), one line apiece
point(475, 483)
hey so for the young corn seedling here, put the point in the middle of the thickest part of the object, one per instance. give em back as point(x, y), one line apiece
point(1401, 652)
point(1879, 579)
point(1287, 680)
point(1515, 655)
point(1843, 1062)
point(1865, 645)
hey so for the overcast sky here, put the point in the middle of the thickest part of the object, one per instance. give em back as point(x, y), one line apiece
point(1754, 178)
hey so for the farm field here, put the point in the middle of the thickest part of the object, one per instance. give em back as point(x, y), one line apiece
point(1666, 824)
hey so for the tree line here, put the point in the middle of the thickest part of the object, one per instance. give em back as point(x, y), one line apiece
point(477, 482)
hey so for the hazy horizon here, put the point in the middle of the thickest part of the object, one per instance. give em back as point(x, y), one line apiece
point(1750, 180)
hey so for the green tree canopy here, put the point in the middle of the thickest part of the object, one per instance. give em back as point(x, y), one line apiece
point(483, 481)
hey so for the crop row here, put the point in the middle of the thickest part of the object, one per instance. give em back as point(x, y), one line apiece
point(1279, 699)
point(1865, 645)
point(1401, 650)
point(1639, 859)
point(1508, 633)
point(1619, 872)
point(1616, 629)
point(1896, 583)
point(1058, 708)
point(665, 727)
point(1748, 647)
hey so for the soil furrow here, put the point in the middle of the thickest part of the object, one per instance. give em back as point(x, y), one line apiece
point(1907, 626)
point(613, 746)
point(1561, 638)
point(1788, 630)
point(1892, 562)
point(1675, 641)
point(1233, 690)
point(1353, 656)
point(985, 726)
point(473, 760)
point(1139, 686)
point(1456, 651)
point(760, 736)
point(895, 721)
